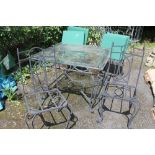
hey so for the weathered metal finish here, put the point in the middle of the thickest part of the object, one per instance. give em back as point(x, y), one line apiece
point(38, 97)
point(84, 60)
point(120, 85)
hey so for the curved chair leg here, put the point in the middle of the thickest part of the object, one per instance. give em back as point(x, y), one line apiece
point(71, 116)
point(33, 125)
point(26, 122)
point(136, 106)
point(28, 117)
point(153, 100)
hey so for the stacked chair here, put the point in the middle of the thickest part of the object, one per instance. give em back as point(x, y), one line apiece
point(39, 99)
point(118, 45)
point(121, 82)
point(75, 36)
point(81, 29)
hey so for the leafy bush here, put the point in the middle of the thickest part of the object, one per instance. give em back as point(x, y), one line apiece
point(25, 37)
point(9, 93)
point(149, 33)
point(23, 75)
point(8, 87)
point(95, 34)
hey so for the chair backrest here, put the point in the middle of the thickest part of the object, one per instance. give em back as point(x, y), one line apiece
point(34, 68)
point(85, 30)
point(118, 43)
point(128, 70)
point(38, 94)
point(73, 37)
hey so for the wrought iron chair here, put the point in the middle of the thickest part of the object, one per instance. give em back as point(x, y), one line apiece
point(122, 86)
point(39, 99)
point(119, 45)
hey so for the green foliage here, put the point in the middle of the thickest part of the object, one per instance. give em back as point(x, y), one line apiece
point(25, 37)
point(95, 34)
point(23, 75)
point(9, 93)
point(149, 33)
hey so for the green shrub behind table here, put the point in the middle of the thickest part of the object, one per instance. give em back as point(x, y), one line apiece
point(25, 37)
point(94, 36)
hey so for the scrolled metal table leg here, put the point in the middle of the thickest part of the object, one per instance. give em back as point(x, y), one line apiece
point(91, 107)
point(100, 111)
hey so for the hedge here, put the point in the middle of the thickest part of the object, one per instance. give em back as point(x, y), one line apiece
point(25, 37)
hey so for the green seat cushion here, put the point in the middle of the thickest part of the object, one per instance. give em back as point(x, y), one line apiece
point(122, 41)
point(85, 30)
point(73, 37)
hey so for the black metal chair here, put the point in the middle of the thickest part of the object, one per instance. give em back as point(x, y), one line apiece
point(39, 99)
point(121, 86)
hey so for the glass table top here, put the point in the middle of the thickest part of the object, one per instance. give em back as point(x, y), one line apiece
point(84, 56)
point(87, 56)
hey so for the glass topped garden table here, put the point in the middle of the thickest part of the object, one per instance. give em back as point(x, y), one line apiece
point(84, 60)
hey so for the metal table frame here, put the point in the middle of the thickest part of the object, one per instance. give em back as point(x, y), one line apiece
point(97, 78)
